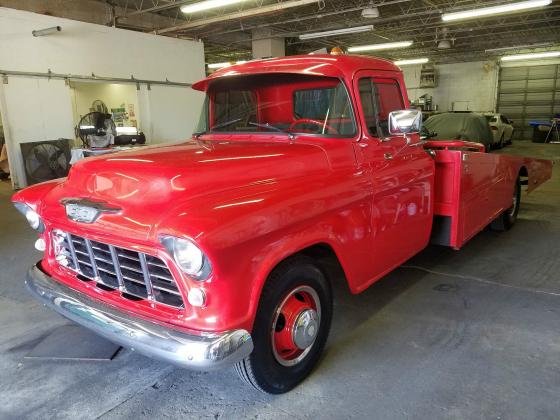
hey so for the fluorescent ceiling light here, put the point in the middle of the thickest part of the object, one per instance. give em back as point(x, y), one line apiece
point(495, 10)
point(222, 65)
point(377, 47)
point(343, 31)
point(411, 61)
point(548, 54)
point(206, 5)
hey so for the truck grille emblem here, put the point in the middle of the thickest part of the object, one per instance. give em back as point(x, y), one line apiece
point(86, 211)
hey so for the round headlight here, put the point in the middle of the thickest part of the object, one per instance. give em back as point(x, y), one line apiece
point(31, 215)
point(188, 256)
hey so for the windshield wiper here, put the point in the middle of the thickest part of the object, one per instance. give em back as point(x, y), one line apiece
point(266, 125)
point(271, 127)
point(225, 124)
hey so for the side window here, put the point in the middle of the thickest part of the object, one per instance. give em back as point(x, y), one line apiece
point(367, 99)
point(378, 100)
point(390, 99)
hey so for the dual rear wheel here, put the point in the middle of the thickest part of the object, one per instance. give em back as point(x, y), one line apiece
point(508, 218)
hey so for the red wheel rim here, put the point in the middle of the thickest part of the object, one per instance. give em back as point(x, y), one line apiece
point(295, 325)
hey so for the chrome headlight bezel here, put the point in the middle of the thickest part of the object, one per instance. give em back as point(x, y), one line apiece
point(201, 264)
point(32, 217)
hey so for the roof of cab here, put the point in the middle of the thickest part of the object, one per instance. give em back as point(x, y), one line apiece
point(340, 66)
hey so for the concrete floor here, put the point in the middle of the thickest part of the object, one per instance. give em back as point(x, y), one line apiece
point(468, 334)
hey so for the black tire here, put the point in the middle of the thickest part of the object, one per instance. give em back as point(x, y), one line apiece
point(507, 219)
point(265, 369)
point(501, 143)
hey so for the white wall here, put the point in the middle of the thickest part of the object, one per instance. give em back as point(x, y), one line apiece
point(474, 82)
point(39, 109)
point(36, 109)
point(171, 115)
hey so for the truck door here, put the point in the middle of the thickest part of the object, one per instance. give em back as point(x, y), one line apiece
point(401, 175)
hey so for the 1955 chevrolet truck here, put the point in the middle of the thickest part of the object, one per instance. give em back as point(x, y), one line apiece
point(214, 251)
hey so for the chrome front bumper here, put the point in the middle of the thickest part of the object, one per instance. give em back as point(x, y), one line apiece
point(193, 350)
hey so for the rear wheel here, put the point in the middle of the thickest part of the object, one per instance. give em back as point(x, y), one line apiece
point(507, 219)
point(501, 143)
point(291, 327)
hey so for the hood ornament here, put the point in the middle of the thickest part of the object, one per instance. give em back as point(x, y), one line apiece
point(84, 210)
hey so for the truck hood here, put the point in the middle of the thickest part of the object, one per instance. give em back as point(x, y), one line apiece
point(147, 184)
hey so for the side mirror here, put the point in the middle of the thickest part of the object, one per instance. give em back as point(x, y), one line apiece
point(406, 121)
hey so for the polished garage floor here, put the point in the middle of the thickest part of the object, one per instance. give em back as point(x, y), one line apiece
point(469, 334)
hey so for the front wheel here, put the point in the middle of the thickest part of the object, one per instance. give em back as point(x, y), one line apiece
point(507, 219)
point(291, 327)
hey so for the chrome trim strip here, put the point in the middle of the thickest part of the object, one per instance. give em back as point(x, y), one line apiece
point(117, 267)
point(92, 260)
point(189, 349)
point(73, 252)
point(147, 279)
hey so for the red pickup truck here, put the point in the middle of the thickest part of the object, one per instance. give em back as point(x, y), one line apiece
point(216, 251)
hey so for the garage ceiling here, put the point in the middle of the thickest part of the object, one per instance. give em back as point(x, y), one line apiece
point(227, 31)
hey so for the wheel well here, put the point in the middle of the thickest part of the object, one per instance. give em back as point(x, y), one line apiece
point(523, 171)
point(327, 260)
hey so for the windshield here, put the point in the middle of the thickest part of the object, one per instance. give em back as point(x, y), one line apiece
point(287, 103)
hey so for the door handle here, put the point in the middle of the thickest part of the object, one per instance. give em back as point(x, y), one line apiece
point(388, 156)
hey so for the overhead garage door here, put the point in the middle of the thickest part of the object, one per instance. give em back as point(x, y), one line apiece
point(528, 93)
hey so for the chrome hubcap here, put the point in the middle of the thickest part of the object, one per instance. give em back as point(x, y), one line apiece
point(305, 329)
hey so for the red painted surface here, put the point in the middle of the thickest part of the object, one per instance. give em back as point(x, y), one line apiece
point(473, 188)
point(251, 200)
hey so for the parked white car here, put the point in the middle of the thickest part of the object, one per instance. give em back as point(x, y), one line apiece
point(502, 129)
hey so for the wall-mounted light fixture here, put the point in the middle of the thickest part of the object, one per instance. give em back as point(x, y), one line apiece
point(222, 65)
point(47, 31)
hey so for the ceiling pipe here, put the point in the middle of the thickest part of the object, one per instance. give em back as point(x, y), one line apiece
point(237, 15)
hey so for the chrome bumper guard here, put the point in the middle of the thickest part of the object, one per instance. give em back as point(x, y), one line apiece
point(194, 350)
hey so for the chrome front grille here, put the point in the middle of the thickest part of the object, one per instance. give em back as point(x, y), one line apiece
point(136, 275)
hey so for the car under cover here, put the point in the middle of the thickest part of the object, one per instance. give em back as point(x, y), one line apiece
point(460, 126)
